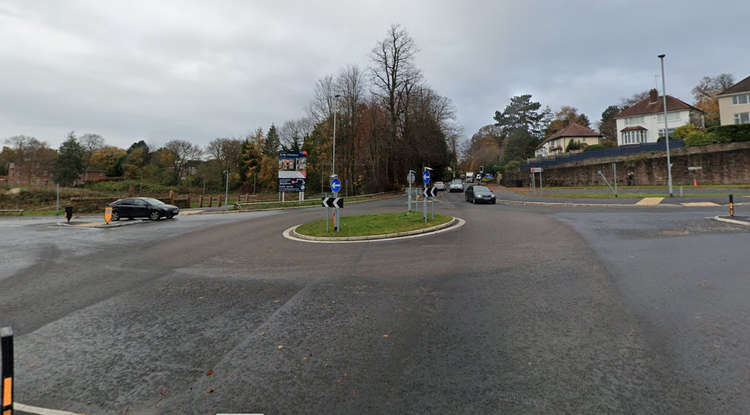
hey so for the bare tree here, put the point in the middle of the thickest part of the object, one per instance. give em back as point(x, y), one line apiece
point(709, 87)
point(322, 105)
point(394, 75)
point(90, 143)
point(183, 152)
point(294, 132)
point(227, 151)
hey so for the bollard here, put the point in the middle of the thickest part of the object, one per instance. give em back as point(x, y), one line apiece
point(6, 386)
point(200, 201)
point(68, 216)
point(210, 201)
point(731, 205)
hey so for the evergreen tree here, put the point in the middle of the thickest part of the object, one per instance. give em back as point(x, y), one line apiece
point(70, 161)
point(272, 143)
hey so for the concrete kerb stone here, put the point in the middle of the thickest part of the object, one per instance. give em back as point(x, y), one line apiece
point(454, 223)
point(734, 221)
point(102, 225)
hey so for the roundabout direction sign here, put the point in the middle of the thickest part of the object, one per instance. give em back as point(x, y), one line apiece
point(335, 185)
point(426, 177)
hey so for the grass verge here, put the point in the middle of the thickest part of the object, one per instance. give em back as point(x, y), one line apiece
point(625, 195)
point(374, 224)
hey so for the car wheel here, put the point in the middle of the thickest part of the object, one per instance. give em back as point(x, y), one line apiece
point(170, 216)
point(115, 215)
point(493, 201)
point(154, 215)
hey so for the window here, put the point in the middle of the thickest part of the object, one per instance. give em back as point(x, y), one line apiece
point(671, 132)
point(742, 118)
point(671, 116)
point(634, 121)
point(741, 99)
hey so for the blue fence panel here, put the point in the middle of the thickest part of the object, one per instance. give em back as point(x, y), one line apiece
point(607, 152)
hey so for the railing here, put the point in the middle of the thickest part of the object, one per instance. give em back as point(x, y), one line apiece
point(607, 152)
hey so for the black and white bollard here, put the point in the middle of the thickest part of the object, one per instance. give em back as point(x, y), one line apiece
point(6, 376)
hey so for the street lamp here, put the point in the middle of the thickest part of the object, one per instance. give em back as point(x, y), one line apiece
point(226, 188)
point(333, 157)
point(666, 129)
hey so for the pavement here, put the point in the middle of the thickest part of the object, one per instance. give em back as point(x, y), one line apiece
point(525, 309)
point(708, 197)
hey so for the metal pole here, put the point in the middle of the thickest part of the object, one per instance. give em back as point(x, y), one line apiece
point(614, 173)
point(424, 205)
point(333, 157)
point(226, 188)
point(541, 185)
point(57, 200)
point(432, 204)
point(409, 208)
point(666, 129)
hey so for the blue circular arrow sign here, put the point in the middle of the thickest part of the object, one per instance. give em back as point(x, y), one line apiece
point(335, 185)
point(426, 177)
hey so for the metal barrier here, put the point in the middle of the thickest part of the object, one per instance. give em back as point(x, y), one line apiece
point(607, 152)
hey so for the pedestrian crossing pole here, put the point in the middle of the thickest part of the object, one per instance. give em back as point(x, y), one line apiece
point(6, 376)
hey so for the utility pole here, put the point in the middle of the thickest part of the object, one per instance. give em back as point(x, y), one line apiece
point(666, 129)
point(333, 156)
point(226, 188)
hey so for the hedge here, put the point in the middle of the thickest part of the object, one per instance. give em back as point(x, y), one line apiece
point(595, 147)
point(740, 132)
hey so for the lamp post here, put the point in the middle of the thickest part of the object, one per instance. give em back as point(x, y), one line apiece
point(666, 129)
point(333, 156)
point(226, 188)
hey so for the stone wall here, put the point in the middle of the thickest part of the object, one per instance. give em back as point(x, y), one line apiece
point(727, 163)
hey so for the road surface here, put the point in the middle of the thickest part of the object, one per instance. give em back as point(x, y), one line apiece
point(523, 310)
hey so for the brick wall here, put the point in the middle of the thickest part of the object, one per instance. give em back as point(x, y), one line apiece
point(727, 163)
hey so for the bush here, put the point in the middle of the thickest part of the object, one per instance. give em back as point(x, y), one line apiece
point(513, 166)
point(699, 138)
point(573, 146)
point(681, 133)
point(732, 133)
point(595, 147)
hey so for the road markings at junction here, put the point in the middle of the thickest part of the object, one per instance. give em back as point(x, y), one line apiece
point(41, 411)
point(649, 201)
point(699, 204)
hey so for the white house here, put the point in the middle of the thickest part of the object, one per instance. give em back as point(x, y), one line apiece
point(734, 103)
point(558, 143)
point(643, 122)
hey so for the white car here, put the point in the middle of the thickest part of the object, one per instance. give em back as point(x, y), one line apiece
point(456, 186)
point(440, 186)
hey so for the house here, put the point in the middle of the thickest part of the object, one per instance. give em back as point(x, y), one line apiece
point(558, 142)
point(734, 103)
point(643, 122)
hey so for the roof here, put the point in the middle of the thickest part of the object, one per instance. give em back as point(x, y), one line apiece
point(633, 128)
point(645, 107)
point(742, 86)
point(572, 130)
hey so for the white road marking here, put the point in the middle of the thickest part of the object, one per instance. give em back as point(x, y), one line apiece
point(41, 411)
point(288, 235)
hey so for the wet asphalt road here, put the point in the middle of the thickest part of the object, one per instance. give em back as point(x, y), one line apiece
point(523, 310)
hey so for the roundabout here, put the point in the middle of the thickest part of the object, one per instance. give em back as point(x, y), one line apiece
point(374, 228)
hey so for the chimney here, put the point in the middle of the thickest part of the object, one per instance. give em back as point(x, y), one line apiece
point(653, 95)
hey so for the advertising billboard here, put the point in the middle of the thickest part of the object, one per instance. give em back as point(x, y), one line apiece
point(292, 171)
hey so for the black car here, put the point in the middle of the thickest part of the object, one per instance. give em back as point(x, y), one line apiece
point(479, 194)
point(142, 207)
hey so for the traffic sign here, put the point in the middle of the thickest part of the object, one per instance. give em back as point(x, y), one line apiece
point(335, 185)
point(536, 169)
point(410, 177)
point(431, 192)
point(333, 202)
point(426, 177)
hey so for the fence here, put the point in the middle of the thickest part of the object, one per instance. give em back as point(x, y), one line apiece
point(607, 152)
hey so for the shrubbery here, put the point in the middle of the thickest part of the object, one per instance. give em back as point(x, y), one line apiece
point(595, 147)
point(681, 133)
point(700, 138)
point(732, 132)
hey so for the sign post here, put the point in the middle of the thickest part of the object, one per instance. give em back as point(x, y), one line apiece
point(335, 188)
point(426, 181)
point(410, 178)
point(533, 172)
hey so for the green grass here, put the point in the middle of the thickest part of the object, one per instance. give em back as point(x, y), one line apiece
point(373, 224)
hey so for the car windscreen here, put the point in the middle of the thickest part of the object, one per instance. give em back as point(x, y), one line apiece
point(481, 189)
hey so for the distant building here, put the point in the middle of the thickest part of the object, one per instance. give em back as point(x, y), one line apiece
point(558, 142)
point(734, 103)
point(39, 176)
point(643, 122)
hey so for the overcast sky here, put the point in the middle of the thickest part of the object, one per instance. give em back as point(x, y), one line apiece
point(158, 70)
